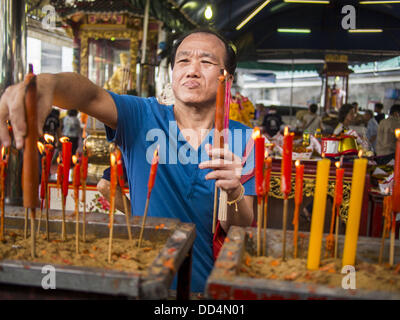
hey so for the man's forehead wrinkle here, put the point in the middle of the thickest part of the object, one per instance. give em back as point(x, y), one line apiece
point(196, 52)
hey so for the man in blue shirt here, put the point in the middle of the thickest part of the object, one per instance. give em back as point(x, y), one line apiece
point(184, 186)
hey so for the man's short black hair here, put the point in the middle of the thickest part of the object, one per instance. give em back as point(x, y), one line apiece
point(395, 108)
point(230, 59)
point(378, 106)
point(313, 108)
point(344, 111)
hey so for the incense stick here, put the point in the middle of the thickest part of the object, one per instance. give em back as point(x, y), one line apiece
point(127, 213)
point(84, 211)
point(284, 222)
point(63, 235)
point(77, 225)
point(143, 222)
point(259, 224)
point(33, 240)
point(336, 232)
point(47, 213)
point(265, 225)
point(215, 209)
point(26, 224)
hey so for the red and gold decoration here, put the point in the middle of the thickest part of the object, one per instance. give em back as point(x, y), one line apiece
point(150, 185)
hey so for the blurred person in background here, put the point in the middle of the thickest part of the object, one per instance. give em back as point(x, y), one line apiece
point(379, 114)
point(386, 140)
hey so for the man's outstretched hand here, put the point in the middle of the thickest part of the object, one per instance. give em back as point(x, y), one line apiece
point(12, 108)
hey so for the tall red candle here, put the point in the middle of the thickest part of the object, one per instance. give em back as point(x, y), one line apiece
point(339, 184)
point(153, 173)
point(286, 163)
point(113, 176)
point(59, 172)
point(84, 166)
point(298, 196)
point(42, 193)
point(120, 169)
point(66, 159)
point(259, 142)
point(49, 149)
point(267, 175)
point(396, 178)
point(76, 179)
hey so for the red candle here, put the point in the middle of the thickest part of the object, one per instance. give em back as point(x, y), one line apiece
point(113, 176)
point(219, 113)
point(298, 196)
point(259, 142)
point(120, 169)
point(66, 159)
point(267, 175)
point(76, 179)
point(287, 163)
point(49, 149)
point(43, 178)
point(396, 178)
point(153, 172)
point(339, 184)
point(84, 166)
point(59, 172)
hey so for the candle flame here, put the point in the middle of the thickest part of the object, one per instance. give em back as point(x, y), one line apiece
point(74, 159)
point(286, 132)
point(58, 160)
point(48, 138)
point(397, 133)
point(112, 159)
point(156, 151)
point(266, 154)
point(40, 147)
point(360, 153)
point(3, 152)
point(337, 164)
point(64, 139)
point(256, 133)
point(225, 73)
point(323, 155)
point(297, 163)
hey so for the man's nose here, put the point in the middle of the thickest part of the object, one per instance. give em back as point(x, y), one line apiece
point(193, 69)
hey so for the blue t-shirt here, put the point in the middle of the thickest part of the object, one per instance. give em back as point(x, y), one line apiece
point(180, 190)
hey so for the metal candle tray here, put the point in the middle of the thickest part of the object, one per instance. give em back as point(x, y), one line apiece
point(225, 282)
point(154, 284)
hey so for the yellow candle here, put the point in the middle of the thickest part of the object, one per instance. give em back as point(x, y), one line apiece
point(353, 220)
point(318, 214)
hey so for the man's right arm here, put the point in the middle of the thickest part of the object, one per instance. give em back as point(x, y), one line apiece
point(66, 90)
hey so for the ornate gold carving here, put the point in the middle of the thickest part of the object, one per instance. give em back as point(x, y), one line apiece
point(104, 33)
point(308, 191)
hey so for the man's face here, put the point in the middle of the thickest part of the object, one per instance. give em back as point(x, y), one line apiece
point(198, 62)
